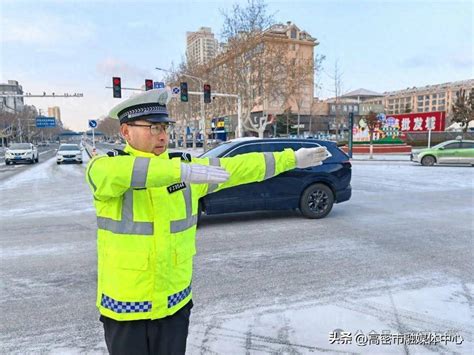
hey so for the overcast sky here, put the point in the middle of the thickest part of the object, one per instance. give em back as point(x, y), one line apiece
point(77, 46)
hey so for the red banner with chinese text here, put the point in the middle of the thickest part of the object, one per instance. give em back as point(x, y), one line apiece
point(419, 122)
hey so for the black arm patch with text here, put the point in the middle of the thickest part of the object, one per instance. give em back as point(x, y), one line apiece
point(176, 187)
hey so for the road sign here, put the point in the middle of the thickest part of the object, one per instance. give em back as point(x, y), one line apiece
point(158, 85)
point(175, 91)
point(45, 122)
point(92, 123)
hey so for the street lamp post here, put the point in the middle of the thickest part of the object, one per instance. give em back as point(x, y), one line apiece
point(203, 119)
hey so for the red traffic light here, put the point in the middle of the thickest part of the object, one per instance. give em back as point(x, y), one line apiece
point(148, 84)
point(117, 87)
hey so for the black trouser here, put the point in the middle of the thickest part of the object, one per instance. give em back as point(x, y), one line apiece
point(141, 337)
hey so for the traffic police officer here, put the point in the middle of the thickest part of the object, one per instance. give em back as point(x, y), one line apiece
point(146, 202)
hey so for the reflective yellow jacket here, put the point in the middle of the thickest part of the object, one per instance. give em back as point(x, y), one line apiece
point(146, 220)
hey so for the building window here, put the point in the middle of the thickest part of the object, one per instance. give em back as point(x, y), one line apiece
point(441, 108)
point(356, 109)
point(433, 96)
point(293, 33)
point(420, 97)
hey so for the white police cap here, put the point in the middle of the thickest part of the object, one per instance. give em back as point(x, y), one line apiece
point(149, 106)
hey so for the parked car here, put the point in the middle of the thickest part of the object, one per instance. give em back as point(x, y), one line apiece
point(69, 153)
point(312, 190)
point(449, 152)
point(21, 152)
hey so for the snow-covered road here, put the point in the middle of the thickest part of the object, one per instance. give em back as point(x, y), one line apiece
point(396, 259)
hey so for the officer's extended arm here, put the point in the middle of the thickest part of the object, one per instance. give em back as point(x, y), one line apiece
point(113, 176)
point(255, 167)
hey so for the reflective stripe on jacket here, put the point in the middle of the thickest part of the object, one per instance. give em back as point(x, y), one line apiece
point(146, 219)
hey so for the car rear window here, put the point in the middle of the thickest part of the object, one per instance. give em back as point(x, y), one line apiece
point(217, 151)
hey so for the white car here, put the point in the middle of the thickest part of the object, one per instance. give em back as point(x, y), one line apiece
point(20, 152)
point(71, 153)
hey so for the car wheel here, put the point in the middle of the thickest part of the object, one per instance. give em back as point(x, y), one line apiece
point(7, 162)
point(428, 160)
point(58, 162)
point(316, 201)
point(37, 159)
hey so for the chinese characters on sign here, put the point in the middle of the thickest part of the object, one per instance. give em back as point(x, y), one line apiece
point(386, 337)
point(394, 126)
point(419, 122)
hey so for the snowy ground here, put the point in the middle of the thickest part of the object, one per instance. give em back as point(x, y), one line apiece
point(397, 258)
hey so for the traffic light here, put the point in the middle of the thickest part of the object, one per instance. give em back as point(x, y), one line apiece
point(148, 84)
point(207, 93)
point(183, 87)
point(117, 87)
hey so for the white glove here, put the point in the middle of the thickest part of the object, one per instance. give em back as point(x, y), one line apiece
point(203, 174)
point(306, 157)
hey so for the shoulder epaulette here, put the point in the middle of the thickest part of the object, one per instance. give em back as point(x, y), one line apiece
point(116, 152)
point(182, 155)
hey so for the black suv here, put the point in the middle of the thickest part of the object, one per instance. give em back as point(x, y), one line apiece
point(312, 190)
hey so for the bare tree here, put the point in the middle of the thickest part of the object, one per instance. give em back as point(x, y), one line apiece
point(372, 124)
point(337, 77)
point(251, 64)
point(250, 19)
point(109, 126)
point(463, 109)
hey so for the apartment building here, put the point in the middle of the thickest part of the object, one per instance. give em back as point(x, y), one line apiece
point(54, 111)
point(201, 46)
point(439, 97)
point(280, 45)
